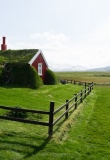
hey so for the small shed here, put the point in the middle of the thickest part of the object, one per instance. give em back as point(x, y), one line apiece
point(34, 57)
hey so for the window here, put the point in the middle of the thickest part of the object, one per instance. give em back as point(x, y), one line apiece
point(40, 69)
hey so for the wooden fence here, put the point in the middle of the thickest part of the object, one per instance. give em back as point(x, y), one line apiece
point(64, 81)
point(70, 104)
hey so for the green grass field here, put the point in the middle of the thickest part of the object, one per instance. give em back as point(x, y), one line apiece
point(84, 136)
point(96, 77)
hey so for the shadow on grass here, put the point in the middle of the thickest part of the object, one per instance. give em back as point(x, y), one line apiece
point(37, 149)
point(61, 122)
point(22, 144)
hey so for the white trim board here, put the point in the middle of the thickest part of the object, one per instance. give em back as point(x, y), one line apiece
point(36, 55)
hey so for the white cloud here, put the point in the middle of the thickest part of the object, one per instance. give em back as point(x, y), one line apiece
point(50, 36)
point(60, 49)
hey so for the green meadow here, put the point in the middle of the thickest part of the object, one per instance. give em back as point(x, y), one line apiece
point(96, 77)
point(84, 136)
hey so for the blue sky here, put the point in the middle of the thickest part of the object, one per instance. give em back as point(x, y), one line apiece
point(69, 32)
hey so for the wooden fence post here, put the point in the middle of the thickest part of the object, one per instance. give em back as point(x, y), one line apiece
point(81, 98)
point(51, 119)
point(85, 93)
point(88, 90)
point(75, 101)
point(92, 85)
point(66, 115)
point(85, 85)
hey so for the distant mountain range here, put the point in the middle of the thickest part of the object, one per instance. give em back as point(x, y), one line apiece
point(102, 69)
point(65, 68)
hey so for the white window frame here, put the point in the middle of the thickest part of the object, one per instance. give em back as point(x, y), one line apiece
point(40, 69)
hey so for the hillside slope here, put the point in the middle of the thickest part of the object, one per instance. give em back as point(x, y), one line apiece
point(24, 55)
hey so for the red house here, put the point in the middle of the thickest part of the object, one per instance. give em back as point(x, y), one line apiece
point(39, 63)
point(34, 57)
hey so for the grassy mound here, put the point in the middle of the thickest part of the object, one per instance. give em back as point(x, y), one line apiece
point(23, 56)
point(20, 74)
point(50, 78)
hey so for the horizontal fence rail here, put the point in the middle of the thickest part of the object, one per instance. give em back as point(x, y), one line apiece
point(24, 110)
point(24, 120)
point(69, 104)
point(15, 109)
point(64, 81)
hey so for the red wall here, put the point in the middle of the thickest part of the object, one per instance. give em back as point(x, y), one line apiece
point(40, 59)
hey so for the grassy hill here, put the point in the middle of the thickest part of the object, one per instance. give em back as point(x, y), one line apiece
point(85, 135)
point(24, 55)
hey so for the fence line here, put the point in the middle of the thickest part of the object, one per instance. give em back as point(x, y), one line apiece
point(15, 109)
point(75, 100)
point(78, 98)
point(64, 81)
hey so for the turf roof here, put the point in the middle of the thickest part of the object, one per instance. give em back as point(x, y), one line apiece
point(23, 56)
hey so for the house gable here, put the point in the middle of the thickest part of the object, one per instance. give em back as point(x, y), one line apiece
point(39, 63)
point(35, 57)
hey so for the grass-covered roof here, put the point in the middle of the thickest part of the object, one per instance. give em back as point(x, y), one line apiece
point(23, 56)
